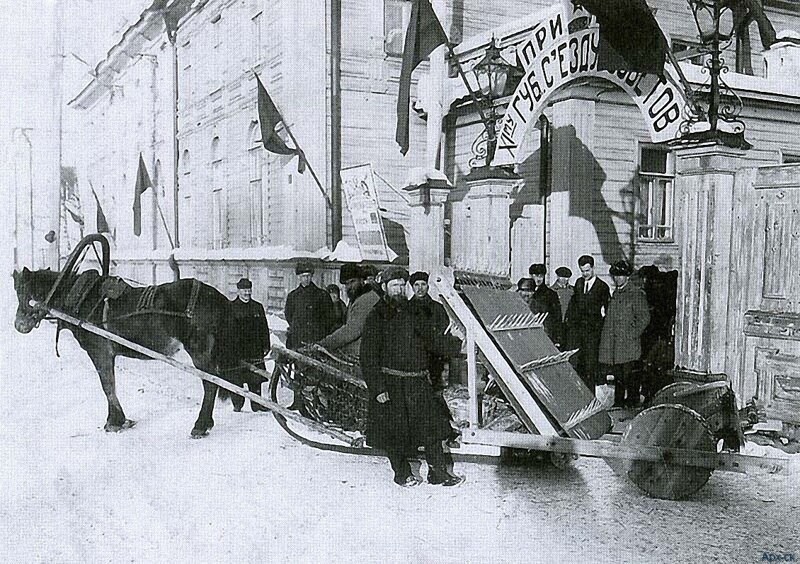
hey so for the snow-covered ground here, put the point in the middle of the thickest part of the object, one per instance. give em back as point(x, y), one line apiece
point(248, 492)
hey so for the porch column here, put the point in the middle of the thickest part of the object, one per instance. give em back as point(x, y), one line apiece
point(489, 197)
point(426, 234)
point(703, 207)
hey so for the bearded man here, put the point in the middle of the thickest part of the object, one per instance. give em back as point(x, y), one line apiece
point(404, 412)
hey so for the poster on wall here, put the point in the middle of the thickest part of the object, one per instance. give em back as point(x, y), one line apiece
point(358, 186)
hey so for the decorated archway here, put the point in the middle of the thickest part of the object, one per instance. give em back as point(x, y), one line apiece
point(552, 58)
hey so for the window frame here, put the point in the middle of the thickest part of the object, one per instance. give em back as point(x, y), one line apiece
point(645, 180)
point(405, 6)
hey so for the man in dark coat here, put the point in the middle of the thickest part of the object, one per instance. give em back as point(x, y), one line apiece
point(545, 300)
point(404, 412)
point(423, 304)
point(584, 322)
point(247, 341)
point(339, 307)
point(563, 288)
point(309, 310)
point(620, 345)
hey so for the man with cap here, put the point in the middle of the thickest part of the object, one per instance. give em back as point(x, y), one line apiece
point(309, 310)
point(563, 288)
point(620, 346)
point(404, 412)
point(247, 340)
point(370, 272)
point(346, 339)
point(545, 300)
point(423, 304)
point(583, 322)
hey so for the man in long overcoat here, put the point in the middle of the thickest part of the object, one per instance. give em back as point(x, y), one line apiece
point(545, 300)
point(620, 345)
point(309, 310)
point(247, 339)
point(584, 321)
point(563, 288)
point(404, 412)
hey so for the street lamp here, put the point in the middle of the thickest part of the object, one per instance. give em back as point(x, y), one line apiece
point(495, 78)
point(715, 25)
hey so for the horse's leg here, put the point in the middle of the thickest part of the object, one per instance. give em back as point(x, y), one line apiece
point(103, 361)
point(205, 419)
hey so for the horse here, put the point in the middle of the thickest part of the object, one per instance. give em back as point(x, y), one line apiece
point(185, 312)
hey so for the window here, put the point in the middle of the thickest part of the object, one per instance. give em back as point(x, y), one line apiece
point(217, 207)
point(256, 186)
point(656, 182)
point(258, 37)
point(396, 14)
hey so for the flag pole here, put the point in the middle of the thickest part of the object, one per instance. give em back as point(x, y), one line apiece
point(300, 154)
point(164, 221)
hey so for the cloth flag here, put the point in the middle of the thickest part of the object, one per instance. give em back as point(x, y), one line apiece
point(630, 37)
point(424, 34)
point(142, 184)
point(102, 222)
point(269, 117)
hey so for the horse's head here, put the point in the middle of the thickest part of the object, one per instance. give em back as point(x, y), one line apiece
point(31, 287)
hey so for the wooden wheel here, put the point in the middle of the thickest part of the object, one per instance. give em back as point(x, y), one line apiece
point(669, 426)
point(667, 393)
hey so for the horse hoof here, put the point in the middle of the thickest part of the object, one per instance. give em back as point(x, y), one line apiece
point(197, 434)
point(113, 428)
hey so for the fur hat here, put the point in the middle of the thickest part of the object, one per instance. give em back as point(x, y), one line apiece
point(419, 275)
point(537, 268)
point(349, 271)
point(525, 285)
point(621, 268)
point(564, 272)
point(303, 267)
point(244, 284)
point(394, 273)
point(368, 270)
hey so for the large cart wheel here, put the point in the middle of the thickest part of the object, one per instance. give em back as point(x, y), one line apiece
point(667, 393)
point(668, 426)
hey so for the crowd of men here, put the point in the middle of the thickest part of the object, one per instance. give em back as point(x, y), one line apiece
point(403, 346)
point(610, 331)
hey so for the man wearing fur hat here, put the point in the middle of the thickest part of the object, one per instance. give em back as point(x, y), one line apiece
point(309, 310)
point(404, 411)
point(247, 340)
point(627, 317)
point(346, 339)
point(563, 288)
point(423, 304)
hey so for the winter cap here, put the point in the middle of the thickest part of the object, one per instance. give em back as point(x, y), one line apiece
point(304, 267)
point(394, 273)
point(368, 270)
point(419, 275)
point(525, 285)
point(537, 268)
point(244, 284)
point(349, 271)
point(621, 268)
point(564, 272)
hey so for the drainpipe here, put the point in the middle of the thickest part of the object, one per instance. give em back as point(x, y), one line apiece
point(336, 122)
point(544, 175)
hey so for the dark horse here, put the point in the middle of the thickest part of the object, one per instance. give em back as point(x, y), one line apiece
point(186, 312)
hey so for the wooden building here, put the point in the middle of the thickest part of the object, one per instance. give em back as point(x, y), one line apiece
point(593, 171)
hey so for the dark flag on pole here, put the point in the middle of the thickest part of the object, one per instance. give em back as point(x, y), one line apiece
point(269, 117)
point(630, 37)
point(102, 222)
point(424, 34)
point(142, 183)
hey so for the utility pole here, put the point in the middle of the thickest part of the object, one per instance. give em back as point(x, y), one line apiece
point(336, 122)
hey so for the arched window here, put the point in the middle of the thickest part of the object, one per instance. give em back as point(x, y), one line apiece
point(256, 185)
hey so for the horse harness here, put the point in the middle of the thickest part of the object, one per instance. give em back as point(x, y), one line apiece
point(111, 288)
